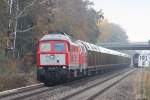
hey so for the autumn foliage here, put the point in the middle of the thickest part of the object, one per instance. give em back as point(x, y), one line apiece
point(37, 17)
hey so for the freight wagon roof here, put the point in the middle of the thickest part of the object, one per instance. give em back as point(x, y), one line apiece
point(109, 51)
point(90, 46)
point(93, 47)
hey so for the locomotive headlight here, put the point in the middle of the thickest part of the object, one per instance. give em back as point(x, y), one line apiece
point(64, 67)
point(52, 56)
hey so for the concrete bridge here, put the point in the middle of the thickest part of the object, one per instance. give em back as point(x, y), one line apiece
point(126, 46)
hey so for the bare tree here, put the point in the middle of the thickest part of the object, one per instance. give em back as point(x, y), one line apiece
point(15, 13)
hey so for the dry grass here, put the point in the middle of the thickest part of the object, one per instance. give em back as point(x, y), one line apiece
point(137, 85)
point(141, 84)
point(16, 73)
point(147, 84)
point(11, 81)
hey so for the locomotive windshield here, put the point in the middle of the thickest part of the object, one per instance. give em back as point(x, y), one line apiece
point(59, 47)
point(45, 46)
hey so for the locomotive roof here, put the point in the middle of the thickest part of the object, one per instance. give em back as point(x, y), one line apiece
point(58, 36)
point(54, 36)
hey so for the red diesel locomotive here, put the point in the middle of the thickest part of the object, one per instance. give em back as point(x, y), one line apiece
point(60, 57)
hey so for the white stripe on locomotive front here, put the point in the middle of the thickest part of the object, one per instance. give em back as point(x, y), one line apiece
point(52, 59)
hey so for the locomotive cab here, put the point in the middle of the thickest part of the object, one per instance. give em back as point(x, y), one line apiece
point(52, 53)
point(58, 57)
point(52, 57)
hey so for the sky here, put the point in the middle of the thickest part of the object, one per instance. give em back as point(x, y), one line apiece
point(132, 15)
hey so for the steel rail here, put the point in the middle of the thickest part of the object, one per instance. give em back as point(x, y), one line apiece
point(94, 85)
point(28, 91)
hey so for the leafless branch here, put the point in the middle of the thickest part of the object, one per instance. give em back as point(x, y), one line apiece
point(26, 30)
point(31, 4)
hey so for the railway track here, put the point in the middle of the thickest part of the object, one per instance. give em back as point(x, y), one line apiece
point(9, 93)
point(25, 92)
point(93, 91)
point(33, 90)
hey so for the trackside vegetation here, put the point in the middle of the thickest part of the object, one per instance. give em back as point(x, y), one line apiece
point(23, 22)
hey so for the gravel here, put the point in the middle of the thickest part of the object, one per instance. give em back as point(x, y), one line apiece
point(124, 90)
point(68, 89)
point(127, 89)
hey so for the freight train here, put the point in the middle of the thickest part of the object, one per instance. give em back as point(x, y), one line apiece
point(61, 57)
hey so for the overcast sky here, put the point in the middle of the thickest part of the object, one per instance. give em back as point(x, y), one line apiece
point(132, 15)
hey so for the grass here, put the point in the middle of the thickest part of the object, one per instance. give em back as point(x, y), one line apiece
point(10, 75)
point(11, 81)
point(141, 84)
point(147, 83)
